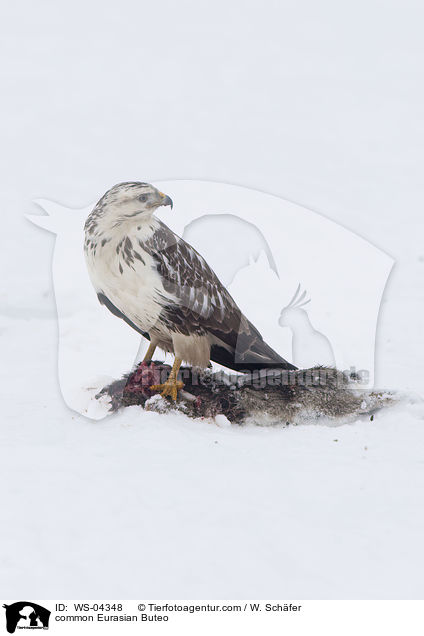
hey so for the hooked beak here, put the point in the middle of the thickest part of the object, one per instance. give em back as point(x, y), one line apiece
point(166, 200)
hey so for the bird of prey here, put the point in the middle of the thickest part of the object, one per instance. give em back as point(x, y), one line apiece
point(163, 288)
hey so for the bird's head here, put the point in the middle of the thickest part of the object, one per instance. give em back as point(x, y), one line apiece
point(128, 201)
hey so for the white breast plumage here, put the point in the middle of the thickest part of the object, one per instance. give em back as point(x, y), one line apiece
point(121, 269)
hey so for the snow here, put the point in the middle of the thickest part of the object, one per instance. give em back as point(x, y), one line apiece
point(143, 504)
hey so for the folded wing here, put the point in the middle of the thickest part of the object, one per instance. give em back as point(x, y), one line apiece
point(203, 306)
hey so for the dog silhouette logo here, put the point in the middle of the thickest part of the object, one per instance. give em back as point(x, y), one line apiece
point(26, 615)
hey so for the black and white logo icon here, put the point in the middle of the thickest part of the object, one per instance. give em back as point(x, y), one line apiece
point(26, 615)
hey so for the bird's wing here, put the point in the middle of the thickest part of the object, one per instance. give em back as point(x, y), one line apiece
point(104, 300)
point(203, 305)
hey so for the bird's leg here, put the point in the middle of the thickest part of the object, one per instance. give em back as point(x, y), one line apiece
point(149, 353)
point(172, 385)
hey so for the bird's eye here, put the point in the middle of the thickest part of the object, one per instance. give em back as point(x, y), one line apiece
point(143, 198)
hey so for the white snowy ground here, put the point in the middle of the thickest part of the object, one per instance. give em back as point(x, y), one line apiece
point(321, 107)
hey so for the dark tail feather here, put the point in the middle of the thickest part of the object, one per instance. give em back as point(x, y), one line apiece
point(261, 356)
point(248, 351)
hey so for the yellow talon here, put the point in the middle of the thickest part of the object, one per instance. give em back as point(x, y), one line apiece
point(172, 385)
point(168, 388)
